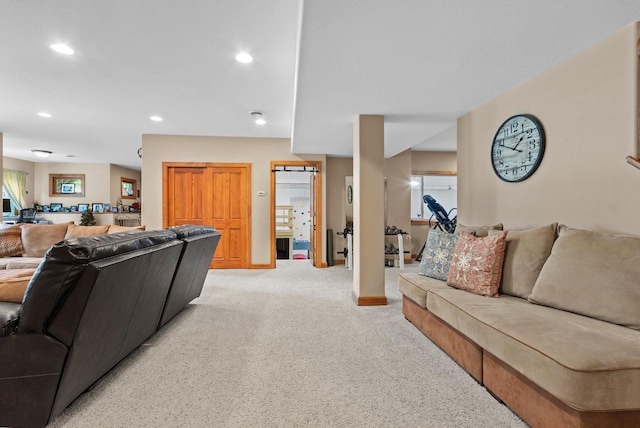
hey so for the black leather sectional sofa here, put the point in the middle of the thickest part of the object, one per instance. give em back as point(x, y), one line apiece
point(91, 302)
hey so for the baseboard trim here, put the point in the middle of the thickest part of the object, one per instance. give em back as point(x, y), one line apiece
point(369, 300)
point(338, 262)
point(262, 266)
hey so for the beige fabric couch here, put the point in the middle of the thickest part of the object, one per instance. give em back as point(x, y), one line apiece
point(561, 345)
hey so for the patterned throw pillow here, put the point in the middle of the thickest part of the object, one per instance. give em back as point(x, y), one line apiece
point(476, 265)
point(11, 240)
point(437, 254)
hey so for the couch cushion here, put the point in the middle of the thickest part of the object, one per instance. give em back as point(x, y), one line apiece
point(114, 228)
point(13, 283)
point(478, 231)
point(589, 364)
point(593, 274)
point(38, 238)
point(524, 256)
point(19, 262)
point(436, 257)
point(11, 240)
point(415, 287)
point(75, 231)
point(476, 265)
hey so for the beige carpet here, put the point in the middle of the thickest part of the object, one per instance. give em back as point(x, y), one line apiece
point(288, 348)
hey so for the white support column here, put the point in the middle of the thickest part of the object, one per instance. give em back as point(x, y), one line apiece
point(368, 210)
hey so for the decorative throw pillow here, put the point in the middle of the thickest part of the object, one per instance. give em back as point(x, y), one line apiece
point(476, 265)
point(11, 240)
point(478, 230)
point(437, 254)
point(75, 231)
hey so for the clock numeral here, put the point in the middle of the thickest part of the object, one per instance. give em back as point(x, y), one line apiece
point(532, 145)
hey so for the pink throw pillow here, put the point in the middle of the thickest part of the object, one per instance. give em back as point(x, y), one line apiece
point(476, 265)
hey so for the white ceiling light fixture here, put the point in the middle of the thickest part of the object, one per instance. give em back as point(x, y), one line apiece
point(41, 153)
point(244, 58)
point(45, 114)
point(258, 117)
point(156, 118)
point(62, 48)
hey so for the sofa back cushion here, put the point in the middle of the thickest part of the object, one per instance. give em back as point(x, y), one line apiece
point(11, 240)
point(593, 274)
point(479, 231)
point(75, 231)
point(115, 228)
point(66, 263)
point(38, 238)
point(524, 256)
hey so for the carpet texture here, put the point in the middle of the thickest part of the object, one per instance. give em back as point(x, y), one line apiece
point(288, 348)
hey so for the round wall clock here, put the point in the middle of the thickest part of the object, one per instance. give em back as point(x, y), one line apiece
point(517, 148)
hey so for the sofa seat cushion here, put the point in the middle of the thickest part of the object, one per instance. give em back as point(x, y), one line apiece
point(19, 262)
point(13, 283)
point(590, 365)
point(415, 287)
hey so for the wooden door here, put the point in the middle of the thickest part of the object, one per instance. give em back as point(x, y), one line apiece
point(215, 195)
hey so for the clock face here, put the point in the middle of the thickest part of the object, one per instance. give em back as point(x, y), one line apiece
point(517, 148)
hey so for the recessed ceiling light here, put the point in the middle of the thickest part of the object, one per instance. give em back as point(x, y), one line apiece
point(258, 117)
point(244, 58)
point(62, 48)
point(156, 118)
point(45, 114)
point(41, 153)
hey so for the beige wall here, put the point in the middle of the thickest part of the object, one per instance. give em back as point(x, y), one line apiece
point(588, 108)
point(97, 182)
point(423, 162)
point(117, 172)
point(257, 151)
point(24, 166)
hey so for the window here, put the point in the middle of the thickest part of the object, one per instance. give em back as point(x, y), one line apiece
point(441, 185)
point(14, 208)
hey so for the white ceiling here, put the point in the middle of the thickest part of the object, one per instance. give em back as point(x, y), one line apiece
point(421, 63)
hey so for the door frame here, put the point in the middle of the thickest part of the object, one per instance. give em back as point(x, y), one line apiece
point(165, 189)
point(317, 262)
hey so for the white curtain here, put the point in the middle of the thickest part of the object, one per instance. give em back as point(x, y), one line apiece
point(15, 183)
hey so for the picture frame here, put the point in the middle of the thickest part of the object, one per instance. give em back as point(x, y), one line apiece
point(83, 207)
point(66, 185)
point(67, 188)
point(73, 208)
point(55, 207)
point(46, 208)
point(114, 209)
point(106, 208)
point(97, 208)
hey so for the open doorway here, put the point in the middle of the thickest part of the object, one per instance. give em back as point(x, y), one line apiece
point(295, 220)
